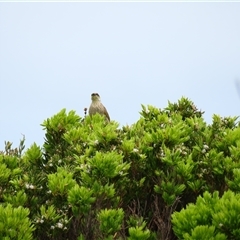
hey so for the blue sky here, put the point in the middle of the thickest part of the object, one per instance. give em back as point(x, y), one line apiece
point(54, 55)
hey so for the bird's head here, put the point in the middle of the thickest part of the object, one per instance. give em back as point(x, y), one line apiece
point(95, 97)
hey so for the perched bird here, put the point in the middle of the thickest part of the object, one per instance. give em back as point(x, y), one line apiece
point(97, 107)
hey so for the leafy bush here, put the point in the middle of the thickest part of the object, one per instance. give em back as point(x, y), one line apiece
point(94, 180)
point(14, 223)
point(210, 218)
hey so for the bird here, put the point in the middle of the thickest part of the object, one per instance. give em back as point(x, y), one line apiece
point(97, 107)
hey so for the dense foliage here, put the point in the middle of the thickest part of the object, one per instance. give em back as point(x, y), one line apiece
point(168, 176)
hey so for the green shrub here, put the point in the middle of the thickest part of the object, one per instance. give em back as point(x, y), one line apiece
point(94, 180)
point(210, 218)
point(14, 223)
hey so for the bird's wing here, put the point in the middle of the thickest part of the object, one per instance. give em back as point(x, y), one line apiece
point(106, 113)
